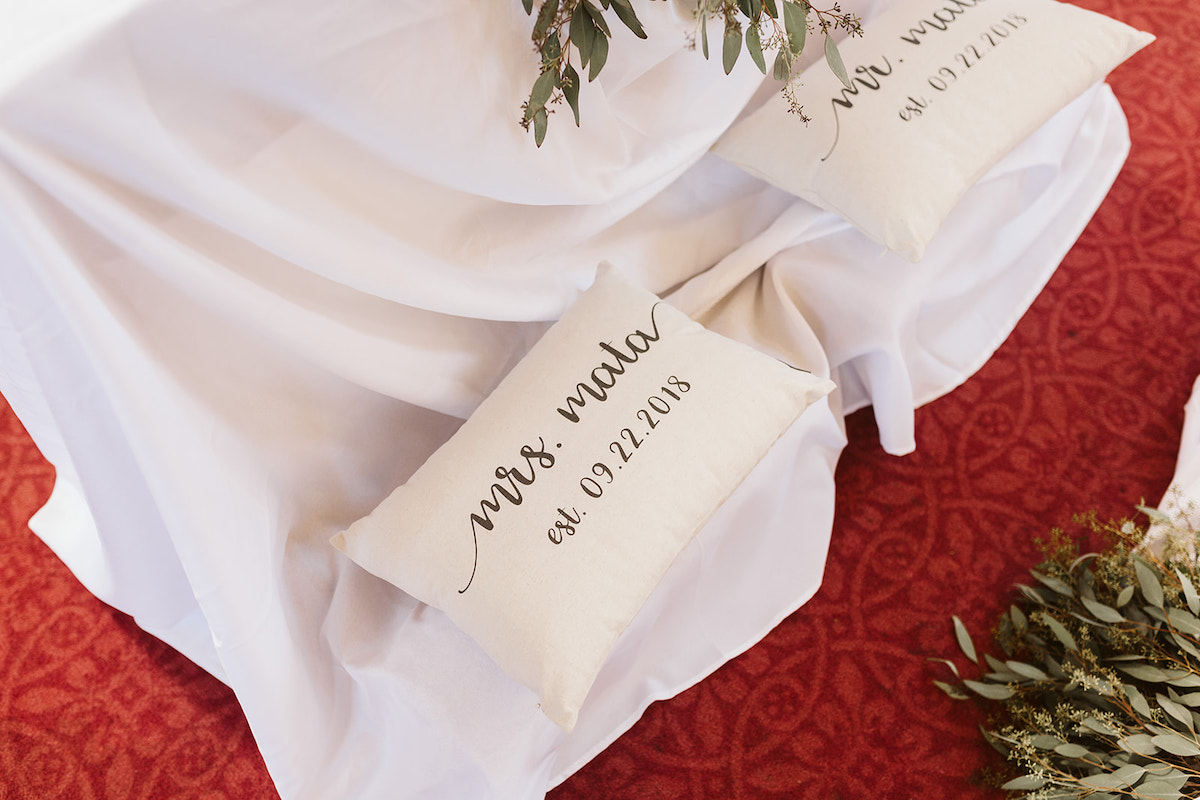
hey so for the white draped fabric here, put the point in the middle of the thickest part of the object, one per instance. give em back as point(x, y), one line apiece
point(259, 258)
point(1181, 504)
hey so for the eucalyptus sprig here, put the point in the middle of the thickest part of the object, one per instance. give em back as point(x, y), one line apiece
point(1100, 679)
point(578, 30)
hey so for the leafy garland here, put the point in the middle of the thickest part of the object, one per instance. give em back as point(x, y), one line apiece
point(563, 27)
point(1101, 677)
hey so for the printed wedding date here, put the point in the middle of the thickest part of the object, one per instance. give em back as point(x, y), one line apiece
point(623, 448)
point(964, 60)
point(512, 482)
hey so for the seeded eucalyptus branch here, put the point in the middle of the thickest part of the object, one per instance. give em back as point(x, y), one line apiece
point(581, 27)
point(1100, 683)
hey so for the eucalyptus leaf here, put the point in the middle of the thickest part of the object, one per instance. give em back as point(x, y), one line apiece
point(1018, 618)
point(1086, 584)
point(1002, 677)
point(795, 22)
point(1104, 780)
point(1139, 703)
point(1128, 775)
point(953, 667)
point(1005, 636)
point(834, 59)
point(1148, 581)
point(1152, 613)
point(582, 32)
point(1185, 645)
point(544, 18)
point(964, 640)
point(1055, 669)
point(1139, 743)
point(1184, 679)
point(1054, 584)
point(1024, 783)
point(1000, 744)
point(782, 69)
point(1044, 742)
point(1158, 790)
point(1099, 726)
point(1144, 672)
point(704, 34)
point(1031, 593)
point(754, 48)
point(1154, 514)
point(1184, 621)
point(542, 88)
point(731, 47)
point(1060, 633)
point(1125, 596)
point(991, 691)
point(551, 50)
point(626, 14)
point(952, 691)
point(1175, 710)
point(1189, 592)
point(1101, 612)
point(1176, 744)
point(528, 4)
point(771, 9)
point(1027, 671)
point(539, 126)
point(1192, 699)
point(1086, 620)
point(597, 17)
point(1166, 773)
point(570, 90)
point(1071, 750)
point(599, 56)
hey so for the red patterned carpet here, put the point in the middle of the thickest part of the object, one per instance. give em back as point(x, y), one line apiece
point(1080, 409)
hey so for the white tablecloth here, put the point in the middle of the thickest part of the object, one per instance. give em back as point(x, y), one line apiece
point(259, 258)
point(1181, 503)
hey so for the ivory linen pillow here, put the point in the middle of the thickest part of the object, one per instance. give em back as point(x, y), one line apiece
point(942, 90)
point(544, 523)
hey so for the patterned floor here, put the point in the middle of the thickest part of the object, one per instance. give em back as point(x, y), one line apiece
point(1080, 409)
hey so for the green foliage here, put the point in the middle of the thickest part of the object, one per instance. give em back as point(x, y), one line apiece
point(1101, 682)
point(579, 29)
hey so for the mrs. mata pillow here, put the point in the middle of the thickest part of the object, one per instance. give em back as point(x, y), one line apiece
point(546, 521)
point(940, 91)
